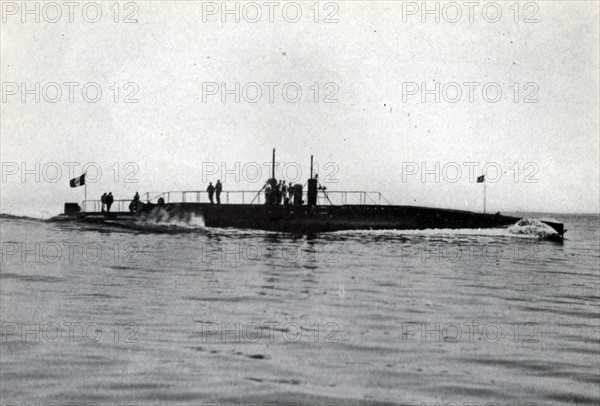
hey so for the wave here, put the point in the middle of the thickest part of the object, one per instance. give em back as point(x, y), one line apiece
point(160, 220)
point(184, 219)
point(7, 216)
point(524, 228)
point(433, 231)
point(532, 227)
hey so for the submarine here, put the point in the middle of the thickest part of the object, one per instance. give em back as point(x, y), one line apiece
point(307, 212)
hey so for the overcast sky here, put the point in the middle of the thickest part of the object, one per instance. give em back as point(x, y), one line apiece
point(376, 57)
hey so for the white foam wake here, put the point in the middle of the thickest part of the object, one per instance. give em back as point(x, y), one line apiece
point(531, 227)
point(160, 216)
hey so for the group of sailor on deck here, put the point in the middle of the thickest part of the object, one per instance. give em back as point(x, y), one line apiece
point(215, 189)
point(278, 192)
point(107, 201)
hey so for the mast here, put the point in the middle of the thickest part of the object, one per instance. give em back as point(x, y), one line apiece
point(313, 187)
point(273, 169)
point(484, 197)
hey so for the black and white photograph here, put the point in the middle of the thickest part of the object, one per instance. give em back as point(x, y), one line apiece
point(300, 203)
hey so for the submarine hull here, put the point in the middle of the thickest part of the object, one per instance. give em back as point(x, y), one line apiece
point(317, 219)
point(312, 219)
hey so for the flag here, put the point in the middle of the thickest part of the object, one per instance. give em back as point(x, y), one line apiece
point(78, 181)
point(481, 179)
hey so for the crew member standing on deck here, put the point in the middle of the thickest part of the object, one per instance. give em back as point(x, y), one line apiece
point(268, 195)
point(135, 203)
point(218, 190)
point(109, 201)
point(211, 191)
point(284, 193)
point(103, 201)
point(277, 195)
point(280, 192)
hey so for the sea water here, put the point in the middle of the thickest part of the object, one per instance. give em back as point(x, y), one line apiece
point(178, 314)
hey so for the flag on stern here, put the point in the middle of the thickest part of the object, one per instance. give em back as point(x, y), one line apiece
point(78, 181)
point(481, 179)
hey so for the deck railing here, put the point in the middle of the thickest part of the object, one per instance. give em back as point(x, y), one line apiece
point(96, 205)
point(240, 197)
